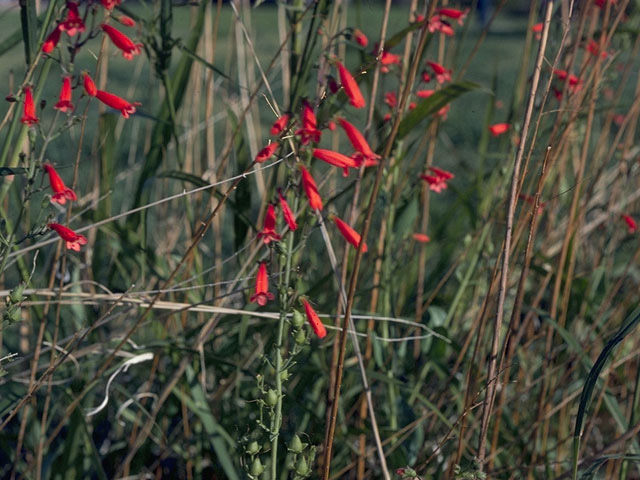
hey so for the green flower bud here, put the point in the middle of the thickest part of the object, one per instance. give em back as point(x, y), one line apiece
point(271, 398)
point(253, 448)
point(256, 467)
point(296, 445)
point(284, 375)
point(302, 468)
point(16, 293)
point(301, 337)
point(297, 320)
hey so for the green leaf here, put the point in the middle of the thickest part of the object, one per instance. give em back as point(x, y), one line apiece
point(29, 22)
point(5, 171)
point(431, 105)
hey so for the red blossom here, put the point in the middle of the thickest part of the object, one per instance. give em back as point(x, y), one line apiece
point(603, 3)
point(73, 23)
point(360, 38)
point(29, 108)
point(117, 103)
point(268, 233)
point(632, 226)
point(52, 40)
point(336, 159)
point(64, 103)
point(436, 24)
point(358, 141)
point(388, 58)
point(421, 237)
point(349, 234)
point(454, 14)
point(438, 180)
point(391, 99)
point(441, 73)
point(73, 240)
point(593, 48)
point(424, 93)
point(280, 124)
point(537, 29)
point(426, 78)
point(498, 129)
point(350, 87)
point(262, 294)
point(120, 40)
point(61, 193)
point(89, 86)
point(310, 189)
point(289, 216)
point(267, 152)
point(314, 320)
point(109, 4)
point(126, 21)
point(309, 131)
point(574, 82)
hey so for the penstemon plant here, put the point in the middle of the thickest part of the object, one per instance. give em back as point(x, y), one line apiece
point(319, 239)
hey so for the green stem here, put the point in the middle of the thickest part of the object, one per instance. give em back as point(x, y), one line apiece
point(276, 422)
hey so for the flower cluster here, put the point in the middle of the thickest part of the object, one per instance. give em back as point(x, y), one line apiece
point(71, 23)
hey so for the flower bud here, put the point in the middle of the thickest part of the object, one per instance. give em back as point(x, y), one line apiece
point(296, 445)
point(271, 398)
point(297, 320)
point(256, 467)
point(301, 337)
point(16, 293)
point(253, 448)
point(302, 468)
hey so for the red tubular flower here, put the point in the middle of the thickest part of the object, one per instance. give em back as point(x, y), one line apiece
point(64, 103)
point(314, 320)
point(289, 217)
point(421, 237)
point(441, 73)
point(498, 129)
point(127, 21)
point(593, 48)
point(335, 159)
point(358, 141)
point(349, 234)
point(61, 193)
point(426, 78)
point(388, 58)
point(438, 181)
point(603, 3)
point(117, 103)
point(120, 40)
point(424, 93)
point(109, 4)
point(350, 87)
point(73, 240)
point(268, 233)
point(631, 223)
point(454, 14)
point(52, 40)
point(280, 124)
point(309, 131)
point(391, 99)
point(537, 29)
point(436, 24)
point(262, 294)
point(267, 152)
point(29, 108)
point(310, 189)
point(73, 23)
point(360, 38)
point(89, 86)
